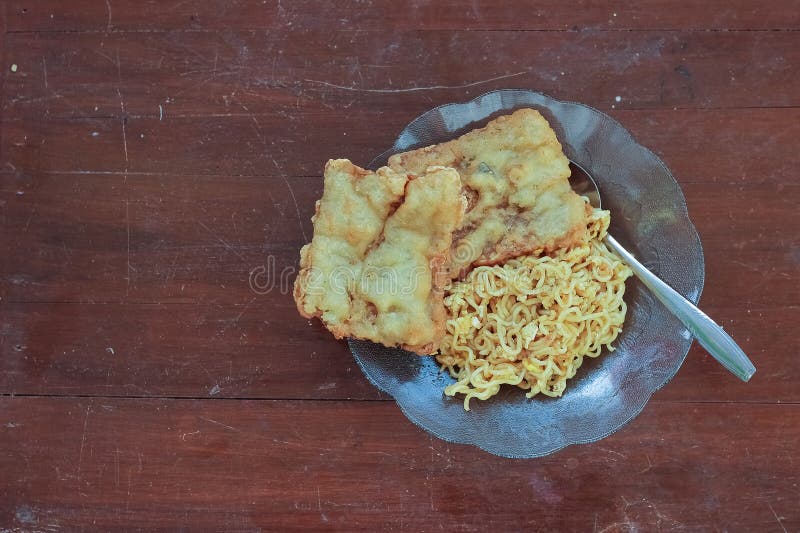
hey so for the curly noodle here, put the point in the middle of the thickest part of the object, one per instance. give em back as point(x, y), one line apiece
point(531, 321)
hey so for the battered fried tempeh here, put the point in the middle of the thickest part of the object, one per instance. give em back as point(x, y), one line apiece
point(516, 179)
point(374, 268)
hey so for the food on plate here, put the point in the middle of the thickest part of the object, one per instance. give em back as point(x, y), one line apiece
point(531, 321)
point(374, 268)
point(516, 179)
point(475, 250)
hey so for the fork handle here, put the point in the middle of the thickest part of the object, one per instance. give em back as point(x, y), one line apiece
point(708, 333)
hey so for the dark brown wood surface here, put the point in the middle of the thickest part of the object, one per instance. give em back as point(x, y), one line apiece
point(155, 154)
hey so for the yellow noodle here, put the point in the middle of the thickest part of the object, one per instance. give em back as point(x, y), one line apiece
point(531, 321)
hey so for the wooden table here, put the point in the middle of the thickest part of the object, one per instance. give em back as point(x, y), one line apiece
point(155, 153)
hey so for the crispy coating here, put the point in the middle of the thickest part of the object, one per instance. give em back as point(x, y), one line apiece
point(374, 268)
point(515, 177)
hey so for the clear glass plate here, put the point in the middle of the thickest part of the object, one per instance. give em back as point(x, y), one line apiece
point(649, 217)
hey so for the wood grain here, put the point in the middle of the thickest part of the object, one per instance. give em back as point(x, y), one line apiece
point(245, 465)
point(262, 349)
point(159, 163)
point(255, 72)
point(196, 15)
point(696, 146)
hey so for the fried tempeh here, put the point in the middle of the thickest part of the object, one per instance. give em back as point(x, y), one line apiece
point(515, 177)
point(373, 269)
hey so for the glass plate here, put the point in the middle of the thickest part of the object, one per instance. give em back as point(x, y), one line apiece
point(649, 217)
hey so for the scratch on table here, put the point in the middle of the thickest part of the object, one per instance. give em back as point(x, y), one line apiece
point(83, 442)
point(231, 71)
point(124, 133)
point(195, 85)
point(476, 10)
point(216, 57)
point(44, 71)
point(128, 497)
point(101, 54)
point(66, 253)
point(28, 222)
point(378, 453)
point(203, 115)
point(184, 435)
point(430, 490)
point(747, 266)
point(234, 322)
point(257, 127)
point(777, 519)
point(204, 369)
point(24, 100)
point(108, 22)
point(662, 517)
point(413, 89)
point(616, 526)
point(128, 229)
point(649, 465)
point(123, 116)
point(294, 199)
point(226, 426)
point(612, 451)
point(319, 507)
point(357, 68)
point(116, 467)
point(224, 243)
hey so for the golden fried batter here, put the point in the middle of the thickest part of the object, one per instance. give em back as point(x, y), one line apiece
point(516, 179)
point(374, 268)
